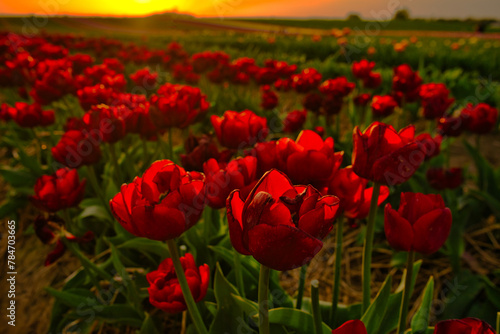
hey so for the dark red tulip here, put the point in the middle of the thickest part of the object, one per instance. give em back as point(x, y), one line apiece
point(269, 99)
point(406, 84)
point(480, 118)
point(355, 197)
point(383, 105)
point(294, 121)
point(450, 126)
point(435, 100)
point(58, 191)
point(30, 115)
point(238, 130)
point(94, 95)
point(362, 99)
point(177, 106)
point(199, 150)
point(440, 178)
point(165, 291)
point(463, 326)
point(382, 155)
point(421, 224)
point(222, 178)
point(372, 81)
point(107, 122)
point(279, 224)
point(312, 101)
point(77, 148)
point(351, 327)
point(431, 147)
point(162, 204)
point(338, 87)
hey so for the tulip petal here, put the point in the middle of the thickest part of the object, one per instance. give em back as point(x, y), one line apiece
point(319, 221)
point(158, 222)
point(351, 327)
point(274, 182)
point(431, 231)
point(398, 231)
point(234, 206)
point(282, 247)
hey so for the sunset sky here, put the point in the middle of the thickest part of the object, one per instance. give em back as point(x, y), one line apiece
point(368, 9)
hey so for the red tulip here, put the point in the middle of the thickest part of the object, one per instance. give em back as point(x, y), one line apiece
point(351, 327)
point(431, 147)
point(435, 100)
point(463, 326)
point(440, 178)
point(222, 178)
point(177, 106)
point(199, 150)
point(355, 197)
point(30, 115)
point(58, 191)
point(479, 119)
point(162, 204)
point(306, 80)
point(279, 224)
point(107, 122)
point(362, 99)
point(95, 95)
point(406, 83)
point(383, 105)
point(165, 291)
point(269, 98)
point(294, 121)
point(309, 159)
point(77, 148)
point(422, 223)
point(238, 130)
point(338, 87)
point(450, 126)
point(372, 81)
point(144, 78)
point(385, 156)
point(363, 68)
point(313, 102)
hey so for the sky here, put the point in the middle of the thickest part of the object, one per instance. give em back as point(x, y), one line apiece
point(368, 9)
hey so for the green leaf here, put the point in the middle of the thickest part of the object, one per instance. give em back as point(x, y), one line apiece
point(230, 318)
point(74, 298)
point(375, 313)
point(300, 321)
point(461, 295)
point(148, 326)
point(487, 181)
point(121, 314)
point(420, 320)
point(147, 246)
point(97, 211)
point(18, 177)
point(492, 292)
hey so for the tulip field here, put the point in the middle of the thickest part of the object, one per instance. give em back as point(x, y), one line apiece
point(231, 182)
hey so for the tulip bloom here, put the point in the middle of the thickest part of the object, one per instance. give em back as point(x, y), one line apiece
point(162, 204)
point(77, 148)
point(361, 69)
point(450, 126)
point(479, 119)
point(406, 83)
point(279, 224)
point(29, 115)
point(59, 191)
point(355, 197)
point(294, 121)
point(351, 327)
point(383, 105)
point(440, 178)
point(238, 130)
point(385, 156)
point(463, 326)
point(421, 224)
point(165, 291)
point(435, 100)
point(199, 150)
point(222, 178)
point(269, 99)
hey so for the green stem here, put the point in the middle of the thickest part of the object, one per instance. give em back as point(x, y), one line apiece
point(478, 143)
point(302, 283)
point(95, 185)
point(337, 126)
point(403, 313)
point(367, 248)
point(498, 322)
point(188, 297)
point(239, 274)
point(67, 218)
point(338, 264)
point(316, 312)
point(263, 300)
point(118, 173)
